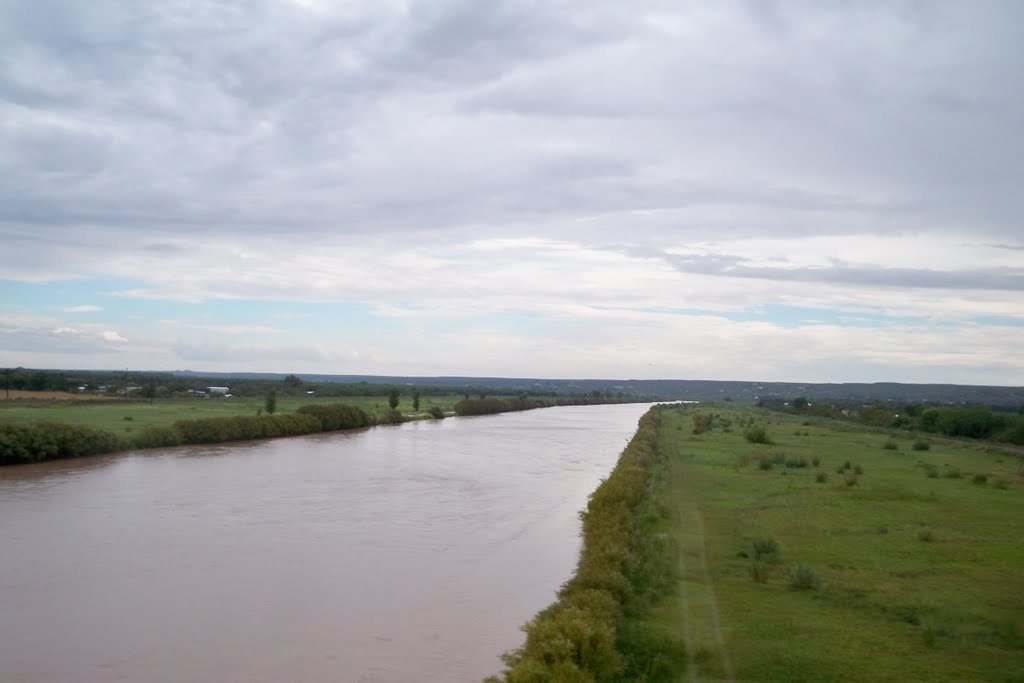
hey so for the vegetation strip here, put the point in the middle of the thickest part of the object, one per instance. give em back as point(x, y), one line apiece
point(36, 442)
point(601, 626)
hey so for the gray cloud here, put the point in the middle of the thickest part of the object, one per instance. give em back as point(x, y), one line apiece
point(1007, 279)
point(191, 116)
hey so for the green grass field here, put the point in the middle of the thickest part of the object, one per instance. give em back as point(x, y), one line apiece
point(125, 417)
point(910, 570)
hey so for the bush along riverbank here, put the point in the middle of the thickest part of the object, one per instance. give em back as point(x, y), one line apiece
point(25, 443)
point(601, 627)
point(491, 405)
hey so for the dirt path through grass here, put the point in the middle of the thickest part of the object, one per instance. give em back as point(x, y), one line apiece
point(707, 653)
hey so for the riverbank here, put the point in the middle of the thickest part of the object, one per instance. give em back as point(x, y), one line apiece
point(42, 431)
point(602, 626)
point(815, 553)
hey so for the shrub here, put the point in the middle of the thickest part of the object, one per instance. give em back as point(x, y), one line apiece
point(921, 445)
point(481, 406)
point(702, 422)
point(816, 461)
point(757, 434)
point(821, 477)
point(242, 428)
point(851, 481)
point(49, 441)
point(926, 535)
point(857, 469)
point(157, 437)
point(932, 472)
point(393, 417)
point(954, 473)
point(1002, 484)
point(766, 550)
point(436, 412)
point(803, 578)
point(890, 445)
point(759, 571)
point(764, 462)
point(652, 654)
point(980, 479)
point(336, 416)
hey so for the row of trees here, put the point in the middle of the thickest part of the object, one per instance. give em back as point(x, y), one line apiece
point(973, 422)
point(160, 385)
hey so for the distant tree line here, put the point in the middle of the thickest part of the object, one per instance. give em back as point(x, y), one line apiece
point(161, 385)
point(972, 422)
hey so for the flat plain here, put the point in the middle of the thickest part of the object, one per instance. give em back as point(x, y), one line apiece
point(837, 552)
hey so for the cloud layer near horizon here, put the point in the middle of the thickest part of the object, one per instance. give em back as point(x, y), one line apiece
point(785, 190)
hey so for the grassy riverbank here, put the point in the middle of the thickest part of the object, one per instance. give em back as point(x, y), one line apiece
point(128, 417)
point(823, 552)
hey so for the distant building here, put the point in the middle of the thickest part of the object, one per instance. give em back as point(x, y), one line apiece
point(218, 391)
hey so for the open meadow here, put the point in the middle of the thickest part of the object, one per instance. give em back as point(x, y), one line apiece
point(830, 552)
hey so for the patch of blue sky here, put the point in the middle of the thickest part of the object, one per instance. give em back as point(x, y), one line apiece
point(62, 298)
point(998, 321)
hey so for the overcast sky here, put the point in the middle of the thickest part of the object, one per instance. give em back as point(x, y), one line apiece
point(802, 191)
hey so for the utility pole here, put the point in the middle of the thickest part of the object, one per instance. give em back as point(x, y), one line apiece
point(126, 384)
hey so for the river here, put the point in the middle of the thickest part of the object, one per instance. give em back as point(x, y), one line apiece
point(406, 553)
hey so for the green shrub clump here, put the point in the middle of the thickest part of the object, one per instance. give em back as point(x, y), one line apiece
point(244, 427)
point(481, 406)
point(921, 445)
point(803, 578)
point(24, 443)
point(757, 434)
point(335, 416)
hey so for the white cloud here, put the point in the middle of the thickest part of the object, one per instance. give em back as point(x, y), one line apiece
point(112, 336)
point(85, 308)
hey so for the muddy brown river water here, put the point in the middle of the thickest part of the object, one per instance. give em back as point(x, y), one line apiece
point(408, 553)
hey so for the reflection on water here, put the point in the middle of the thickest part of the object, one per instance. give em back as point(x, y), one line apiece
point(392, 554)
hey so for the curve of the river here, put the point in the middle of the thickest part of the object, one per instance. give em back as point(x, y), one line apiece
point(408, 553)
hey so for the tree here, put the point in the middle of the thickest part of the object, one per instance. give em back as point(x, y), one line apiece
point(416, 400)
point(271, 402)
point(292, 382)
point(393, 398)
point(800, 402)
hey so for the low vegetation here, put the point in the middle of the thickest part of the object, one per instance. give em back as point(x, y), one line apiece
point(600, 628)
point(35, 442)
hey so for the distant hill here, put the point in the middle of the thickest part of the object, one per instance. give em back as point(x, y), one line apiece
point(696, 390)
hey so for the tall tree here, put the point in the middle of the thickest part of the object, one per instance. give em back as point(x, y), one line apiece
point(393, 398)
point(271, 402)
point(416, 400)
